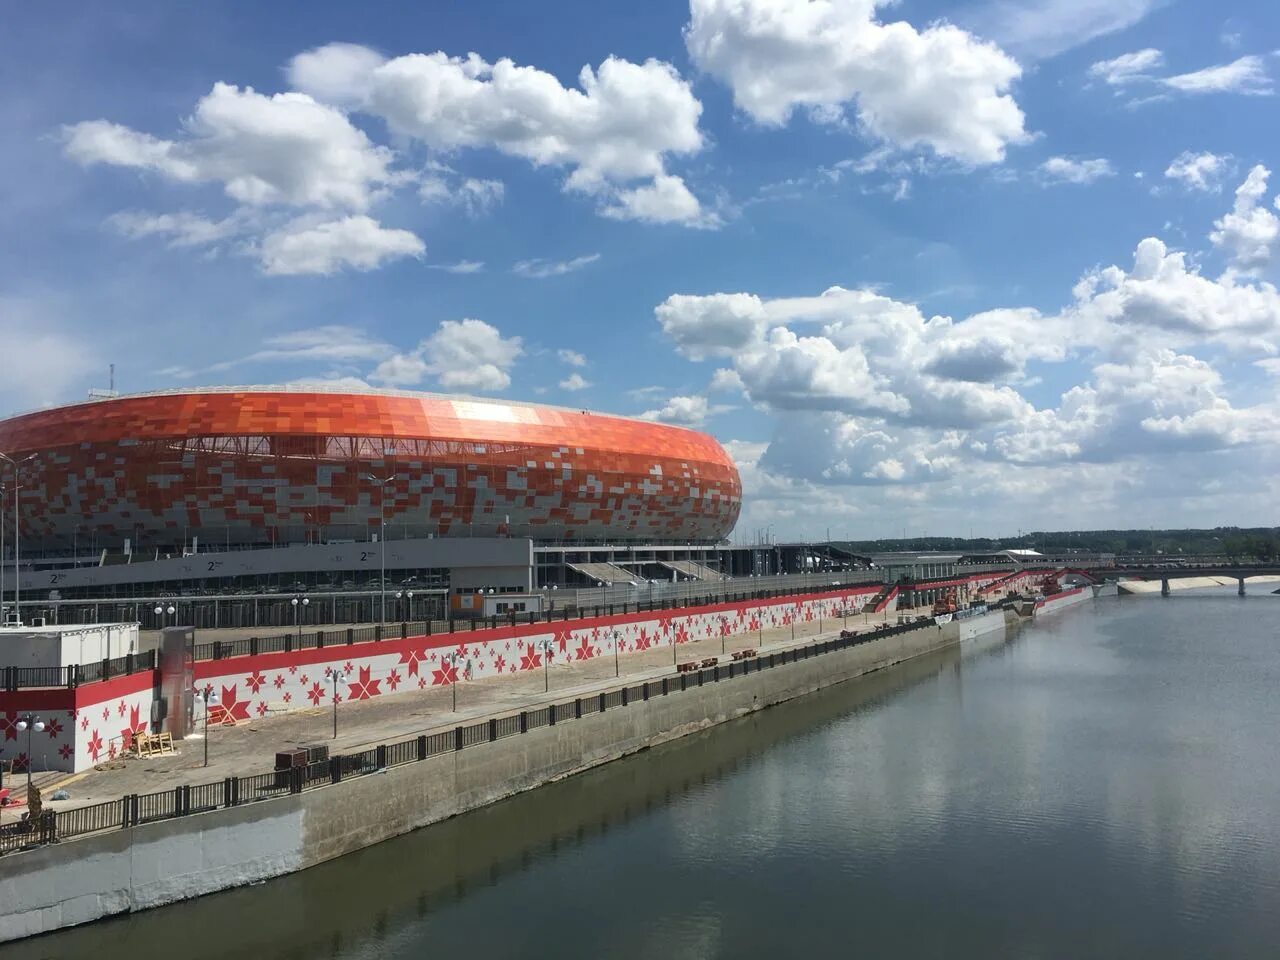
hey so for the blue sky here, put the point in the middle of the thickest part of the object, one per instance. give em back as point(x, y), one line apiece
point(920, 265)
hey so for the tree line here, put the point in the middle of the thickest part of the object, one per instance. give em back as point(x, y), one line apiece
point(1260, 543)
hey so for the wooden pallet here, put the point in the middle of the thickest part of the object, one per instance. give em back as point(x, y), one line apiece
point(153, 744)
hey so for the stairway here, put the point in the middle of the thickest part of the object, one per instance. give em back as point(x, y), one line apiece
point(880, 602)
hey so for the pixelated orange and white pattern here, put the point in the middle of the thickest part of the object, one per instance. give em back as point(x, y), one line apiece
point(245, 466)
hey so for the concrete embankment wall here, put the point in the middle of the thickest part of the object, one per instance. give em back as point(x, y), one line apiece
point(970, 628)
point(153, 864)
point(1060, 601)
point(49, 888)
point(338, 821)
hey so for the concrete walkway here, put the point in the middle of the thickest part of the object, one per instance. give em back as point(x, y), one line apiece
point(250, 748)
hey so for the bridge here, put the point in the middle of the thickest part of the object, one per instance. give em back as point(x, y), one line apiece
point(1165, 572)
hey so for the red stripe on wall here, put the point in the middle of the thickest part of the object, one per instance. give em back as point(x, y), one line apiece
point(206, 669)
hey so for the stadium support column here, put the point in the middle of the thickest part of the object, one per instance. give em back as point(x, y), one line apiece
point(382, 536)
point(17, 595)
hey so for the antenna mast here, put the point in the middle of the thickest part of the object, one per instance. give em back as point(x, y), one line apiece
point(96, 393)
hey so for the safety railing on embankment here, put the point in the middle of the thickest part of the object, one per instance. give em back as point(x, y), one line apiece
point(181, 801)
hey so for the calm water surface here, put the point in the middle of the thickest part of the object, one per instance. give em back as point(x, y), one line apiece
point(1105, 783)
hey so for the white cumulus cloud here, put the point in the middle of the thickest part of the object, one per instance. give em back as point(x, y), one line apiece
point(573, 382)
point(940, 87)
point(461, 354)
point(1066, 170)
point(718, 325)
point(618, 127)
point(1249, 233)
point(665, 200)
point(687, 411)
point(281, 149)
point(1162, 294)
point(358, 242)
point(1198, 171)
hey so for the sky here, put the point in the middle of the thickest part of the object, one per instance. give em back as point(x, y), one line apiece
point(923, 268)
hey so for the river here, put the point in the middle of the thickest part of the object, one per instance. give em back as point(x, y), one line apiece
point(1103, 783)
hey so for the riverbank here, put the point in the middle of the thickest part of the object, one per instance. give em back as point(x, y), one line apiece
point(151, 864)
point(305, 914)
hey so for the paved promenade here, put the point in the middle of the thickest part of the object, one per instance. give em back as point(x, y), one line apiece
point(250, 748)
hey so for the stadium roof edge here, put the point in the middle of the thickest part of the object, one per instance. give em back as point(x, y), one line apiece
point(352, 390)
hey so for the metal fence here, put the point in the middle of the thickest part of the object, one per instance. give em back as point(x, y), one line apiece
point(188, 799)
point(728, 592)
point(17, 678)
point(708, 591)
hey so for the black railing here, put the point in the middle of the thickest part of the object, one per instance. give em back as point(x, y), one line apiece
point(180, 801)
point(318, 639)
point(17, 678)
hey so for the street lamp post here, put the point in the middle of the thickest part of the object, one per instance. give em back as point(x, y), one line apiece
point(335, 677)
point(210, 699)
point(405, 595)
point(17, 590)
point(617, 670)
point(299, 604)
point(546, 666)
point(382, 534)
point(453, 678)
point(4, 492)
point(31, 724)
point(161, 611)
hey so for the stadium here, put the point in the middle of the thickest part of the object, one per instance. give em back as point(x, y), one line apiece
point(251, 467)
point(277, 488)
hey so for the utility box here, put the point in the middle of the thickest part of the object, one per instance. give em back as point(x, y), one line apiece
point(288, 759)
point(177, 680)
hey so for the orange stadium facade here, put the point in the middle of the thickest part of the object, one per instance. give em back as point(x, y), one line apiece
point(254, 466)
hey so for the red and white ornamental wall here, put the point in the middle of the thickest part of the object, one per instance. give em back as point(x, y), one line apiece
point(84, 725)
point(95, 722)
point(252, 687)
